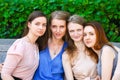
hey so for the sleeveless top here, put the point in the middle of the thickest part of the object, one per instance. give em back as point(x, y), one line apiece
point(50, 69)
point(84, 67)
point(99, 65)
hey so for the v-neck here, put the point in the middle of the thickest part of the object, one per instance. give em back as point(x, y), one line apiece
point(48, 51)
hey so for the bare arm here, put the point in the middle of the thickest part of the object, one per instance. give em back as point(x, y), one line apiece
point(7, 77)
point(67, 67)
point(107, 62)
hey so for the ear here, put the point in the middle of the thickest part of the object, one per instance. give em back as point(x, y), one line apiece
point(29, 24)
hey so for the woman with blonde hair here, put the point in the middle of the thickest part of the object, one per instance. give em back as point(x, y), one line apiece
point(78, 62)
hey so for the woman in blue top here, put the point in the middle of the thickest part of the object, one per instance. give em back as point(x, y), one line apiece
point(50, 63)
point(95, 39)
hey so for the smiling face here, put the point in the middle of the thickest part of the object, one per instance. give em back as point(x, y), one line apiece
point(75, 31)
point(38, 26)
point(89, 36)
point(58, 28)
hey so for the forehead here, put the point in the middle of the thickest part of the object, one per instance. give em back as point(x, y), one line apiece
point(72, 25)
point(40, 19)
point(89, 29)
point(57, 21)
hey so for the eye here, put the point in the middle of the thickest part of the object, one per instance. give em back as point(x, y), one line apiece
point(91, 33)
point(71, 30)
point(37, 23)
point(44, 24)
point(78, 29)
point(62, 26)
point(53, 26)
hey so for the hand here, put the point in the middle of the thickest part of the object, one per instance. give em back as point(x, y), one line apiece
point(97, 78)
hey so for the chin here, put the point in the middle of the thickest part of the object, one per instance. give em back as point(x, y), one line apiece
point(89, 46)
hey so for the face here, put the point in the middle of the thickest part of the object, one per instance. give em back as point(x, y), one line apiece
point(75, 31)
point(89, 36)
point(58, 28)
point(38, 26)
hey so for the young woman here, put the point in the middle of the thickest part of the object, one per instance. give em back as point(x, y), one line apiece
point(50, 63)
point(22, 57)
point(78, 63)
point(95, 39)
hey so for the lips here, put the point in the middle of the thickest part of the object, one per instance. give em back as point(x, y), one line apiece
point(87, 42)
point(76, 37)
point(41, 32)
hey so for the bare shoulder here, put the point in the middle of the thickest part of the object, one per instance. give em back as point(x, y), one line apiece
point(108, 51)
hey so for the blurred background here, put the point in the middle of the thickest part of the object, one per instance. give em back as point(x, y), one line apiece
point(14, 13)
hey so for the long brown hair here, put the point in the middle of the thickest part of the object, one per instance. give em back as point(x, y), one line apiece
point(101, 38)
point(42, 40)
point(71, 49)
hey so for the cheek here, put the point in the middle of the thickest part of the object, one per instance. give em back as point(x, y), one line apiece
point(94, 39)
point(81, 33)
point(44, 30)
point(71, 35)
point(64, 30)
point(52, 30)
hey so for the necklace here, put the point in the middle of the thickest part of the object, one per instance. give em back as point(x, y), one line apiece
point(55, 51)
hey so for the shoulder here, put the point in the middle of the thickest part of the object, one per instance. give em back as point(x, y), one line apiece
point(19, 42)
point(65, 56)
point(107, 48)
point(17, 47)
point(108, 51)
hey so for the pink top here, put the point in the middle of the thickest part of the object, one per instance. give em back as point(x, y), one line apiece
point(21, 60)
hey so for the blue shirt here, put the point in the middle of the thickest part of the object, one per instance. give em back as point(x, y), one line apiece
point(50, 69)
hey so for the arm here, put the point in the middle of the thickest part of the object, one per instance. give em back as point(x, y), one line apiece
point(9, 66)
point(107, 62)
point(67, 67)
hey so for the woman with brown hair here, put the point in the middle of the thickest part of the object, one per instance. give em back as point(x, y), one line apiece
point(95, 39)
point(22, 57)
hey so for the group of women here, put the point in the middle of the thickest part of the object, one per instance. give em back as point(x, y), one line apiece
point(63, 48)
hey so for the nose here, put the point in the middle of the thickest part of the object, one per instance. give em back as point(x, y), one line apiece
point(75, 33)
point(40, 27)
point(58, 29)
point(87, 37)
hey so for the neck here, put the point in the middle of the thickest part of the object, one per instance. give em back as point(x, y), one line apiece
point(56, 42)
point(80, 45)
point(32, 39)
point(96, 51)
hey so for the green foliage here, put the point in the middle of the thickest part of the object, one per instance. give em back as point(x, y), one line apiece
point(14, 13)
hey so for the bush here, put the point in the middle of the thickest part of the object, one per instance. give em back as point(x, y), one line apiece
point(13, 14)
